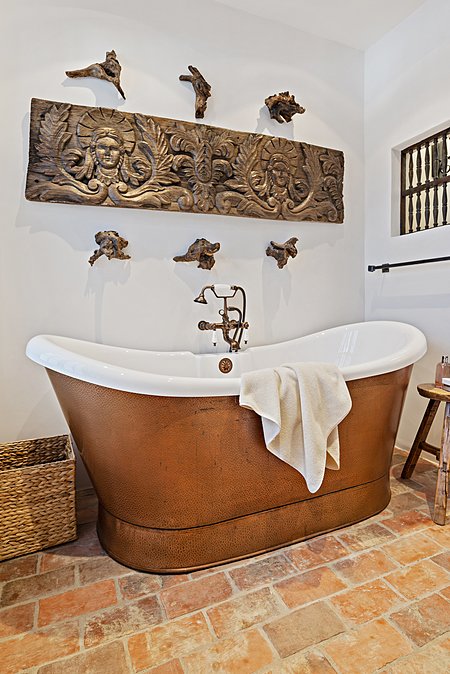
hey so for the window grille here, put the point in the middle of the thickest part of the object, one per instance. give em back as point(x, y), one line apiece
point(425, 169)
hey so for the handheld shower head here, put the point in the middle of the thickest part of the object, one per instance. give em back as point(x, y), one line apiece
point(201, 298)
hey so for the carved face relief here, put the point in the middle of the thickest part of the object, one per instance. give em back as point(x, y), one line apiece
point(106, 157)
point(280, 174)
point(107, 151)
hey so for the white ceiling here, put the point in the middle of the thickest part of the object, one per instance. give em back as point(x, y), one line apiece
point(355, 23)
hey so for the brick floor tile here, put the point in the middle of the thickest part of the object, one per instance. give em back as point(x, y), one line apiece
point(32, 587)
point(109, 659)
point(119, 621)
point(304, 663)
point(174, 639)
point(309, 586)
point(261, 572)
point(424, 620)
point(316, 552)
point(440, 534)
point(37, 648)
point(365, 566)
point(242, 612)
point(17, 568)
point(50, 561)
point(367, 536)
point(177, 579)
point(398, 456)
point(98, 569)
point(402, 487)
point(406, 501)
point(422, 485)
point(409, 549)
point(195, 594)
point(172, 667)
point(302, 628)
point(407, 522)
point(16, 620)
point(431, 659)
point(446, 592)
point(443, 559)
point(242, 654)
point(77, 602)
point(418, 579)
point(138, 585)
point(426, 464)
point(421, 467)
point(365, 602)
point(225, 567)
point(367, 648)
point(85, 546)
point(384, 514)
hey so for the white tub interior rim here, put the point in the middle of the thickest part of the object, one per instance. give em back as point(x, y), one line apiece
point(359, 350)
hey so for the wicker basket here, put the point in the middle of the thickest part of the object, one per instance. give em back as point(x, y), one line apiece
point(37, 495)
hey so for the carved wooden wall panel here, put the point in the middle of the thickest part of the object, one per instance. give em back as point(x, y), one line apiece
point(103, 157)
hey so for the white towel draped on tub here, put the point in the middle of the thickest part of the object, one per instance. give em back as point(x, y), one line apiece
point(301, 405)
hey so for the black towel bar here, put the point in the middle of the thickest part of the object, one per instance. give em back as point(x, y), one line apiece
point(386, 266)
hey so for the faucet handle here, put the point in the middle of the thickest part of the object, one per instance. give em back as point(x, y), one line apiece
point(214, 337)
point(245, 333)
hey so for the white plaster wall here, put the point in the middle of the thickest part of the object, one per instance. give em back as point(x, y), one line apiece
point(407, 94)
point(46, 282)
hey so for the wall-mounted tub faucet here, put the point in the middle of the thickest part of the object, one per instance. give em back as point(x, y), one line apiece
point(233, 330)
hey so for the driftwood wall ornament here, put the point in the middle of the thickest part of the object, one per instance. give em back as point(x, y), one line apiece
point(99, 156)
point(283, 106)
point(201, 88)
point(282, 251)
point(201, 251)
point(108, 70)
point(110, 244)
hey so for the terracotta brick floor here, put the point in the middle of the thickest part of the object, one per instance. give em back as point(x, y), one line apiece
point(373, 597)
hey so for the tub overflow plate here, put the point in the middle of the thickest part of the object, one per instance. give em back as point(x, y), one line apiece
point(225, 365)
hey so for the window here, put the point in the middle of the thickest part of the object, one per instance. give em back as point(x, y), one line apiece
point(425, 169)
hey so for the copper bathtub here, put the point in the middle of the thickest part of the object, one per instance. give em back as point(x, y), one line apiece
point(184, 479)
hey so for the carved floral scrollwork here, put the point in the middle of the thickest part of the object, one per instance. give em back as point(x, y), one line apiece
point(204, 162)
point(161, 186)
point(106, 157)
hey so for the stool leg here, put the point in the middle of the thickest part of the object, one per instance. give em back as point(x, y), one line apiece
point(425, 425)
point(440, 500)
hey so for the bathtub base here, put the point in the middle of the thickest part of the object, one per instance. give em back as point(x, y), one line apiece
point(185, 550)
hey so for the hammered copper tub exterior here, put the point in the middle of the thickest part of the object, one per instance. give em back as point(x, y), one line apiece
point(185, 483)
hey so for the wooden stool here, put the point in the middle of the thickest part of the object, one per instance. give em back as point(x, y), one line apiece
point(436, 396)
